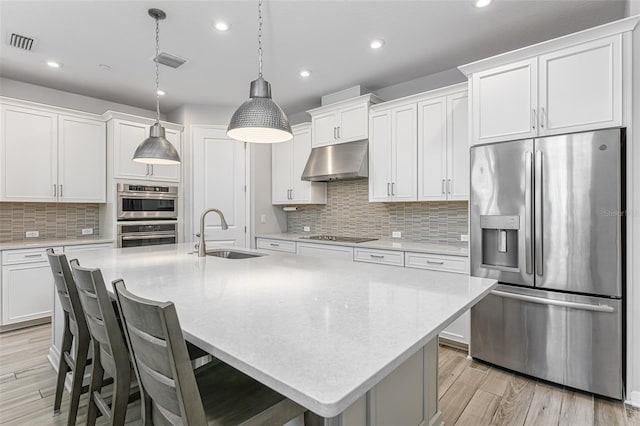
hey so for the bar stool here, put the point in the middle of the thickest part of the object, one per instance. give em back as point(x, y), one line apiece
point(110, 352)
point(173, 394)
point(75, 332)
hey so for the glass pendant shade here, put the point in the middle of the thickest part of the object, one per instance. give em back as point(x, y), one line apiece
point(156, 149)
point(260, 119)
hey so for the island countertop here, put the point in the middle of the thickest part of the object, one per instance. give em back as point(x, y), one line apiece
point(321, 332)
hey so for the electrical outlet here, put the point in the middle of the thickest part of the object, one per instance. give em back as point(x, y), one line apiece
point(306, 228)
point(87, 231)
point(32, 234)
point(263, 218)
point(396, 234)
point(464, 237)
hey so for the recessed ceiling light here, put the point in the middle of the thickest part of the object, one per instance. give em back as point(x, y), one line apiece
point(161, 92)
point(483, 3)
point(54, 64)
point(376, 44)
point(305, 73)
point(222, 26)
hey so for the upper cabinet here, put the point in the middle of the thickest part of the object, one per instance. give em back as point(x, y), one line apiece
point(570, 84)
point(49, 155)
point(341, 122)
point(288, 160)
point(125, 133)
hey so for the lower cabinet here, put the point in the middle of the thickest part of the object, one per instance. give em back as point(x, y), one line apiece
point(27, 285)
point(325, 251)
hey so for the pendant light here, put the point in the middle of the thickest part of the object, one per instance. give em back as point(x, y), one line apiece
point(260, 119)
point(156, 149)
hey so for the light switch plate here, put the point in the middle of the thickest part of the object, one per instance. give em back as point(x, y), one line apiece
point(306, 228)
point(32, 234)
point(396, 234)
point(87, 231)
point(263, 218)
point(464, 237)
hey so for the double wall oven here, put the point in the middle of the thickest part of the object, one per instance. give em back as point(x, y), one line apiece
point(147, 215)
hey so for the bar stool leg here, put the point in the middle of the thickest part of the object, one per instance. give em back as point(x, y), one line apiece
point(82, 349)
point(63, 368)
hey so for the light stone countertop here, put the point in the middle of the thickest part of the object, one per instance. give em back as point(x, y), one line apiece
point(36, 243)
point(452, 249)
point(321, 332)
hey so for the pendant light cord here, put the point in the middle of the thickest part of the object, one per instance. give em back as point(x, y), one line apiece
point(157, 70)
point(260, 38)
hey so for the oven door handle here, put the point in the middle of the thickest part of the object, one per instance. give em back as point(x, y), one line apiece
point(147, 237)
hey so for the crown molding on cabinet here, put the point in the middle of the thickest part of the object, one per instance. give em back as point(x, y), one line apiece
point(49, 108)
point(110, 115)
point(419, 97)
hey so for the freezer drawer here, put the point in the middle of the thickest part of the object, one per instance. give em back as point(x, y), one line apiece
point(572, 340)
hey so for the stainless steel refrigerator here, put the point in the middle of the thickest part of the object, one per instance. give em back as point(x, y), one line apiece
point(547, 221)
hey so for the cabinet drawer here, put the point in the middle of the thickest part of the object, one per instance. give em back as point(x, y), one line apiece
point(437, 262)
point(85, 247)
point(14, 257)
point(276, 245)
point(384, 257)
point(326, 251)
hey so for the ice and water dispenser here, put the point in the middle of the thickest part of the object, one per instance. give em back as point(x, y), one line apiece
point(500, 241)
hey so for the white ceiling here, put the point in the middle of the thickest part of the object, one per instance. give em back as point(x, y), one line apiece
point(329, 37)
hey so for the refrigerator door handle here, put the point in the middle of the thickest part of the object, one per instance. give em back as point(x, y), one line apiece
point(562, 303)
point(538, 213)
point(528, 212)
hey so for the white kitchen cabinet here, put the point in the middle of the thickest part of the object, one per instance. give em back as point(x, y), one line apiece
point(282, 246)
point(392, 153)
point(27, 285)
point(574, 88)
point(326, 251)
point(288, 160)
point(443, 148)
point(382, 257)
point(344, 121)
point(126, 135)
point(46, 156)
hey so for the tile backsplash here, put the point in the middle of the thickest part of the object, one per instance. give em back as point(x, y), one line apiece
point(348, 212)
point(51, 220)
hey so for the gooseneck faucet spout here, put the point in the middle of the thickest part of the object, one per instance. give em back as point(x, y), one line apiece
point(202, 249)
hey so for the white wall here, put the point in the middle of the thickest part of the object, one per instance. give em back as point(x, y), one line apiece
point(45, 95)
point(633, 223)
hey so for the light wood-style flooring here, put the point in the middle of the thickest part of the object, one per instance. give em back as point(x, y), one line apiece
point(471, 393)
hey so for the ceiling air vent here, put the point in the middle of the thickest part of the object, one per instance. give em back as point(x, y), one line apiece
point(21, 41)
point(169, 60)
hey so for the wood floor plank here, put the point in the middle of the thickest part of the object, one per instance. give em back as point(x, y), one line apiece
point(608, 413)
point(479, 410)
point(577, 409)
point(545, 405)
point(515, 402)
point(450, 372)
point(497, 381)
point(632, 415)
point(460, 393)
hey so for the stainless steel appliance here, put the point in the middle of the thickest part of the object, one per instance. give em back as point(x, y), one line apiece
point(341, 161)
point(546, 220)
point(339, 239)
point(136, 234)
point(144, 202)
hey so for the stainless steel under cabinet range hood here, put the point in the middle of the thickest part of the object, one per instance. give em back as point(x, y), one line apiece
point(342, 161)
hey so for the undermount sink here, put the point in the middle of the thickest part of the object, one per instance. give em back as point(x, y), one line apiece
point(231, 254)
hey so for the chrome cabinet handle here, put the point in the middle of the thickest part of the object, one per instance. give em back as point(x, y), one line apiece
point(538, 208)
point(61, 190)
point(542, 117)
point(147, 170)
point(338, 132)
point(55, 190)
point(32, 255)
point(528, 202)
point(377, 256)
point(335, 133)
point(393, 189)
point(388, 192)
point(433, 262)
point(274, 244)
point(151, 167)
point(563, 303)
point(448, 186)
point(533, 118)
point(443, 186)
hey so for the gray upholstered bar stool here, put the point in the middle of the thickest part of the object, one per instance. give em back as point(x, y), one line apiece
point(216, 394)
point(110, 353)
point(75, 333)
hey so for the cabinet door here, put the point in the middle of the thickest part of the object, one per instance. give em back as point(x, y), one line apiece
point(301, 148)
point(432, 154)
point(28, 155)
point(164, 172)
point(127, 136)
point(82, 159)
point(281, 164)
point(27, 292)
point(581, 87)
point(353, 124)
point(380, 156)
point(505, 102)
point(324, 128)
point(404, 185)
point(457, 147)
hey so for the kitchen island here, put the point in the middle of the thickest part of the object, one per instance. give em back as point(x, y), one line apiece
point(354, 343)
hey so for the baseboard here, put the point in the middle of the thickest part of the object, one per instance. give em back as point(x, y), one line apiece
point(453, 343)
point(25, 324)
point(633, 399)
